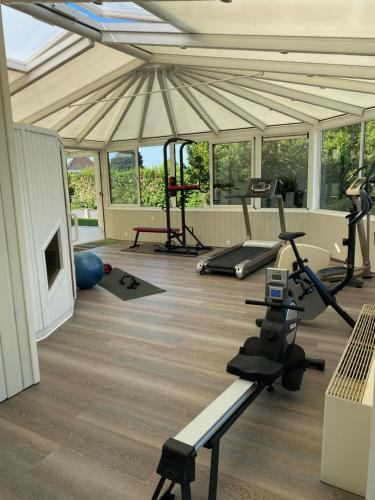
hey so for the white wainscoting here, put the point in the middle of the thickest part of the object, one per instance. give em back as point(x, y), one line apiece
point(221, 227)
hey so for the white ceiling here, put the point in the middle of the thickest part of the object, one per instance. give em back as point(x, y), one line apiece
point(174, 71)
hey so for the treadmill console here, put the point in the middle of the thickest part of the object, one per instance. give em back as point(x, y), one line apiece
point(276, 284)
point(261, 188)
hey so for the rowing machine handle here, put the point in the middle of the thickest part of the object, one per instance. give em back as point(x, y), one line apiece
point(274, 304)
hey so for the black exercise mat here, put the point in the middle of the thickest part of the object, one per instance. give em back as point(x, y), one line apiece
point(149, 248)
point(111, 283)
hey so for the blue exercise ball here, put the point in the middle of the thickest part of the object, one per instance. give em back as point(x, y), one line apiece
point(89, 269)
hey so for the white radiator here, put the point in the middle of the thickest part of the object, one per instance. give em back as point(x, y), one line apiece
point(348, 409)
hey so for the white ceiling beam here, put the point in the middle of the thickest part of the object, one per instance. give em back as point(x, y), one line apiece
point(70, 22)
point(51, 65)
point(299, 44)
point(146, 99)
point(193, 103)
point(314, 81)
point(88, 104)
point(82, 92)
point(324, 82)
point(300, 68)
point(61, 44)
point(153, 9)
point(225, 103)
point(106, 108)
point(124, 110)
point(52, 49)
point(16, 65)
point(262, 101)
point(295, 95)
point(167, 103)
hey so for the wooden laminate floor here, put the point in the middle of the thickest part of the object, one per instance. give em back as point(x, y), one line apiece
point(119, 378)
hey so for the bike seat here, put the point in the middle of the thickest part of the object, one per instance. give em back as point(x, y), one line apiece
point(255, 368)
point(291, 236)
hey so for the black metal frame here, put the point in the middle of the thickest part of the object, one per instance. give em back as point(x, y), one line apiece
point(170, 245)
point(184, 473)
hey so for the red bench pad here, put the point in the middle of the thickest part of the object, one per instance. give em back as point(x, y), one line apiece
point(163, 230)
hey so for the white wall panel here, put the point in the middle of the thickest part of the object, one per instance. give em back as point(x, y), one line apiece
point(370, 494)
point(213, 227)
point(218, 226)
point(41, 189)
point(18, 355)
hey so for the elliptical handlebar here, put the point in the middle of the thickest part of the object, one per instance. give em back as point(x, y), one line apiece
point(366, 205)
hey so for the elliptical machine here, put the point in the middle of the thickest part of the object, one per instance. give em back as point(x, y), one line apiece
point(335, 274)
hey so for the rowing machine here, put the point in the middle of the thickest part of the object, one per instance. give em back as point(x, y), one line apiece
point(260, 362)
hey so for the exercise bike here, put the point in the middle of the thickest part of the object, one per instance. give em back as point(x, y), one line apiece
point(261, 362)
point(308, 290)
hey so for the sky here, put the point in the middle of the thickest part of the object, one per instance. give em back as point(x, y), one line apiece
point(24, 35)
point(153, 155)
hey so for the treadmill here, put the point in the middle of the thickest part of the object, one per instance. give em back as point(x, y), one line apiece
point(243, 259)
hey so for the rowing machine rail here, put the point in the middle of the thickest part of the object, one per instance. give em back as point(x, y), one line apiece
point(177, 463)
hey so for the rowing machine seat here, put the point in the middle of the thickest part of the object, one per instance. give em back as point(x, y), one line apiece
point(291, 236)
point(255, 368)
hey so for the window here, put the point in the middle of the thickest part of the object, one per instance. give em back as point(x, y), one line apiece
point(231, 171)
point(151, 169)
point(369, 156)
point(287, 160)
point(123, 178)
point(340, 158)
point(52, 259)
point(196, 171)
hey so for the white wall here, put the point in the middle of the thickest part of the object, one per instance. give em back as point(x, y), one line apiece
point(40, 190)
point(18, 356)
point(216, 226)
point(370, 494)
point(213, 227)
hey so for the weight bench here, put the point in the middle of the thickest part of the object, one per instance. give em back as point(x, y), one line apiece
point(173, 231)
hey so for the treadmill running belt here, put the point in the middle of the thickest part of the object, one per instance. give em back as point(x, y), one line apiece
point(237, 255)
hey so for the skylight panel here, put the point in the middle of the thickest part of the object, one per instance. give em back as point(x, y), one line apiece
point(25, 36)
point(120, 10)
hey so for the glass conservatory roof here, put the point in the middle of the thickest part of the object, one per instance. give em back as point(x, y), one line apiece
point(25, 36)
point(115, 12)
point(102, 72)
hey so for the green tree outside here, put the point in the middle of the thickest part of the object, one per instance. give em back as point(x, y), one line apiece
point(232, 171)
point(340, 158)
point(82, 189)
point(287, 160)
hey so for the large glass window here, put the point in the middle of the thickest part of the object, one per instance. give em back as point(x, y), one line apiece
point(369, 156)
point(287, 160)
point(151, 169)
point(340, 158)
point(123, 178)
point(231, 171)
point(196, 171)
